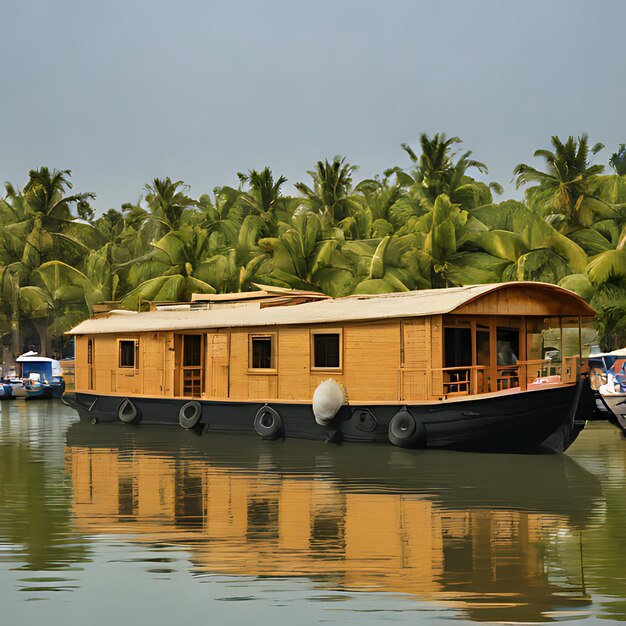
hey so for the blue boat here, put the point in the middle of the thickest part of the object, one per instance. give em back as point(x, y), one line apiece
point(37, 377)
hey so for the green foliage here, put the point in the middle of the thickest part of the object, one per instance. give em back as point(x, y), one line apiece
point(569, 186)
point(618, 160)
point(432, 225)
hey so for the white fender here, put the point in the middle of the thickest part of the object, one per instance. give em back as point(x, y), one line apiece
point(328, 398)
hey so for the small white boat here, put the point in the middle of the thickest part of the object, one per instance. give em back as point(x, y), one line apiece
point(608, 379)
point(37, 377)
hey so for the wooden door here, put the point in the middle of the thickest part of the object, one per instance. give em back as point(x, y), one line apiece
point(190, 366)
point(91, 378)
point(218, 358)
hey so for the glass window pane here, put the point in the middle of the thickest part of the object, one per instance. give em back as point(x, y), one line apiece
point(326, 350)
point(507, 346)
point(458, 347)
point(192, 351)
point(261, 353)
point(127, 353)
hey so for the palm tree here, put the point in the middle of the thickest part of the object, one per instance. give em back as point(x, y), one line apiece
point(610, 263)
point(264, 198)
point(446, 242)
point(437, 172)
point(44, 217)
point(373, 216)
point(9, 306)
point(174, 269)
point(618, 160)
point(168, 202)
point(60, 297)
point(566, 191)
point(221, 217)
point(331, 195)
point(530, 248)
point(302, 257)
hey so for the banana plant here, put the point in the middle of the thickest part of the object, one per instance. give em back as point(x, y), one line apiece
point(302, 258)
point(446, 240)
point(528, 246)
point(174, 268)
point(221, 216)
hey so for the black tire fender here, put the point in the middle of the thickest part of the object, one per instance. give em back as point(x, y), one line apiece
point(267, 423)
point(128, 413)
point(190, 414)
point(406, 431)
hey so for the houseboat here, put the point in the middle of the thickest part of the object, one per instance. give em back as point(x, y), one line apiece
point(463, 368)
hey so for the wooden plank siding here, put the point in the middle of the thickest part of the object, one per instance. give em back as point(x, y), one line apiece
point(371, 360)
point(393, 360)
point(517, 302)
point(80, 355)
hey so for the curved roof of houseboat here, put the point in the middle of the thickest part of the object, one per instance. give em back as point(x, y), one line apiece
point(193, 316)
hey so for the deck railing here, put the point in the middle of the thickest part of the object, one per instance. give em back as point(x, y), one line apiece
point(416, 383)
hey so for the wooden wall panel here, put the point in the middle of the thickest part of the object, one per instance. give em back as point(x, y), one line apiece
point(104, 363)
point(371, 360)
point(524, 301)
point(80, 355)
point(262, 387)
point(217, 365)
point(293, 363)
point(239, 363)
point(152, 347)
point(416, 342)
point(436, 354)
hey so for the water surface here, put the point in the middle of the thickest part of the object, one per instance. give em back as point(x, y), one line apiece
point(110, 523)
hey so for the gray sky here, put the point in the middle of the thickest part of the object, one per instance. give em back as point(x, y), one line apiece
point(121, 92)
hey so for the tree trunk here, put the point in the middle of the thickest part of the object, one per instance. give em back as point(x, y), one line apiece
point(15, 338)
point(45, 341)
point(15, 319)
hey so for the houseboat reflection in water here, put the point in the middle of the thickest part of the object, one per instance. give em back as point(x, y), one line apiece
point(473, 532)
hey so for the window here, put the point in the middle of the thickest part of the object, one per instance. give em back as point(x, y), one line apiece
point(457, 347)
point(128, 352)
point(326, 350)
point(90, 350)
point(261, 356)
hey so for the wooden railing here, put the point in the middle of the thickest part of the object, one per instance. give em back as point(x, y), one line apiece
point(422, 383)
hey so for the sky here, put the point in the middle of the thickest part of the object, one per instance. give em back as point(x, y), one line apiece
point(122, 92)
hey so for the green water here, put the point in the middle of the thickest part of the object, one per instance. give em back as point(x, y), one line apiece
point(111, 524)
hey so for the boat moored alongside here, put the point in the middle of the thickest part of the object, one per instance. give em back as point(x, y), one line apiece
point(37, 377)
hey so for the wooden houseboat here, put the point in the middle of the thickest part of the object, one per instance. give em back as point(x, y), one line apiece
point(467, 368)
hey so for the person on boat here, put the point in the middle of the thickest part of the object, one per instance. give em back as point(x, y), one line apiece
point(612, 384)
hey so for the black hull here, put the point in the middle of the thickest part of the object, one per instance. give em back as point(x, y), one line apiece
point(546, 420)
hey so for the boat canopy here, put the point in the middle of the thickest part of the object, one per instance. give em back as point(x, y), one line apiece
point(32, 363)
point(619, 354)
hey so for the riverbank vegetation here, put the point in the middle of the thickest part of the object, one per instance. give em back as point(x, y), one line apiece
point(433, 222)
